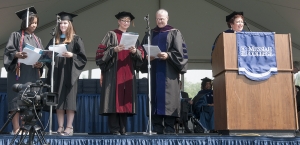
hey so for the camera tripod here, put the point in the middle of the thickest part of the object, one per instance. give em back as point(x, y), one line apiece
point(29, 129)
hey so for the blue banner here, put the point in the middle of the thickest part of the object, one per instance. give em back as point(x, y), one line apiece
point(256, 55)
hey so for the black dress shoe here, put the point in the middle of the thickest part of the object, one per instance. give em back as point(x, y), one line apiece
point(124, 133)
point(116, 133)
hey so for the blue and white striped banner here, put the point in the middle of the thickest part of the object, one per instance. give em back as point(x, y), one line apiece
point(256, 55)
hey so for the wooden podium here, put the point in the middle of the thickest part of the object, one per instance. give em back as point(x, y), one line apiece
point(246, 106)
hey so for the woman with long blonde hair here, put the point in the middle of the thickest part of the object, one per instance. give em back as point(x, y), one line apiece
point(66, 72)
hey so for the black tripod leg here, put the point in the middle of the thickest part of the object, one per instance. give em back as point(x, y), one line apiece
point(40, 137)
point(23, 135)
point(31, 136)
point(8, 120)
point(13, 140)
point(16, 135)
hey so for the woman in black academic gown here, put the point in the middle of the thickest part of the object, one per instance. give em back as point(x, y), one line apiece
point(18, 72)
point(235, 23)
point(66, 72)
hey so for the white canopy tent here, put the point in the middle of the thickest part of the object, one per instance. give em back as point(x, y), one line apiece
point(200, 21)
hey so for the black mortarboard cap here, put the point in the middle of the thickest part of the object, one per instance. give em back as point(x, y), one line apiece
point(228, 17)
point(66, 16)
point(22, 14)
point(206, 79)
point(124, 14)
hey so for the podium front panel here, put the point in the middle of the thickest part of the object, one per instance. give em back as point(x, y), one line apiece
point(251, 105)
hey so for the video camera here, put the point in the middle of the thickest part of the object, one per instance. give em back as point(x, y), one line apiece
point(31, 98)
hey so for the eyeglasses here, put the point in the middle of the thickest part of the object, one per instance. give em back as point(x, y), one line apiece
point(124, 21)
point(160, 19)
point(237, 22)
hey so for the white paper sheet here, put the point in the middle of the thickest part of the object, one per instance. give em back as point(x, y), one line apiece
point(60, 49)
point(32, 55)
point(154, 50)
point(129, 39)
point(35, 55)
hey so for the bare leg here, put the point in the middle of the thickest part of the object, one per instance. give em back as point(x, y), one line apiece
point(70, 118)
point(16, 122)
point(60, 119)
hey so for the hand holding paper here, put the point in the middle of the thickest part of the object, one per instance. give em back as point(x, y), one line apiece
point(67, 54)
point(163, 55)
point(154, 50)
point(21, 55)
point(132, 49)
point(119, 48)
point(32, 55)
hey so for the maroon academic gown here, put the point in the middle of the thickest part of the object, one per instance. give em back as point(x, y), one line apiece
point(118, 93)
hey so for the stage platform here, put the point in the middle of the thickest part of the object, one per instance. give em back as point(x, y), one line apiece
point(140, 139)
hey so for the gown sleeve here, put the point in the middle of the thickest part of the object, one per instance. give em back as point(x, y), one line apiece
point(105, 54)
point(79, 59)
point(138, 57)
point(177, 52)
point(12, 47)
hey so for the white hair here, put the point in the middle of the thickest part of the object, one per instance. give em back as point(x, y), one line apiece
point(162, 12)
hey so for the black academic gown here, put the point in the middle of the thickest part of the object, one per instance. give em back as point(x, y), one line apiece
point(185, 106)
point(67, 72)
point(184, 102)
point(27, 72)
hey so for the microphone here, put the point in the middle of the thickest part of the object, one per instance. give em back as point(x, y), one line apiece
point(58, 18)
point(146, 17)
point(247, 26)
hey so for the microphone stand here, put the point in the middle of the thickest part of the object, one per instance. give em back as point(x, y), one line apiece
point(52, 70)
point(146, 18)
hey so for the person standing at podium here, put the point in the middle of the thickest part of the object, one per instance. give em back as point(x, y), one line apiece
point(118, 92)
point(235, 23)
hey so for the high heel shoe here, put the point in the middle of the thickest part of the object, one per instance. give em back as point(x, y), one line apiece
point(66, 133)
point(21, 132)
point(15, 132)
point(61, 131)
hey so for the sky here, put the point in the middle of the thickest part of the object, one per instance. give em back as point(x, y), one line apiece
point(195, 76)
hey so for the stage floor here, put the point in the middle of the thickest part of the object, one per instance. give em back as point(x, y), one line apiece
point(141, 139)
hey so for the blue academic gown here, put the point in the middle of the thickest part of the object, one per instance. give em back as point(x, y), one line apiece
point(203, 112)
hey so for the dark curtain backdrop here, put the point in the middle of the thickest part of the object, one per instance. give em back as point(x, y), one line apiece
point(87, 118)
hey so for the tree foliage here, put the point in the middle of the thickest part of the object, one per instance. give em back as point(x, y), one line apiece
point(191, 88)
